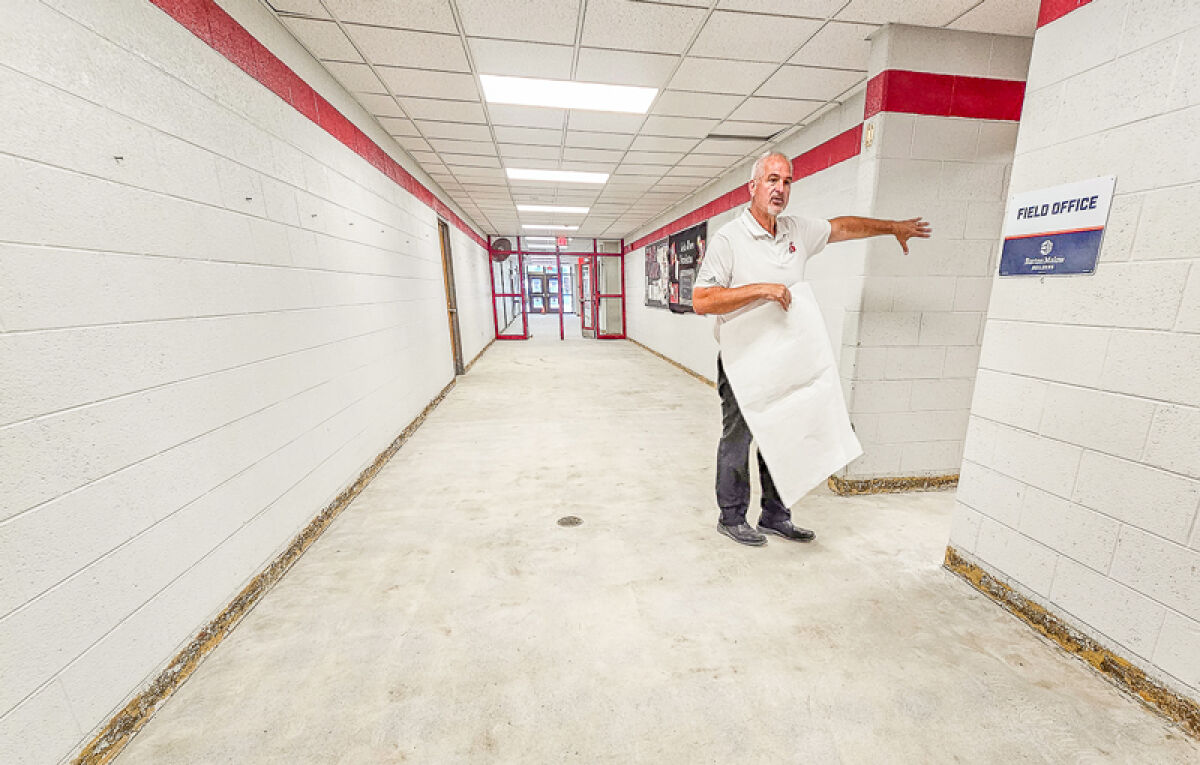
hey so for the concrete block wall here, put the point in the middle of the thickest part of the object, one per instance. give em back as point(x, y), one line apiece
point(1081, 480)
point(213, 316)
point(916, 340)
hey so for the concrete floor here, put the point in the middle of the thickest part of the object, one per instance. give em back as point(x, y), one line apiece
point(446, 618)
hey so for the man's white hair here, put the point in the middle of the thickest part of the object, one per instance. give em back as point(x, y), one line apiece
point(762, 159)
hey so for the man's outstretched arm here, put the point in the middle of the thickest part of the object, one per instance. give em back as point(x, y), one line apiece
point(726, 299)
point(851, 227)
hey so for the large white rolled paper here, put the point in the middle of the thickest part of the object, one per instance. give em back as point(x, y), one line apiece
point(783, 373)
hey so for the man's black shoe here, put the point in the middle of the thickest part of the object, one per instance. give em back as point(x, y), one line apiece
point(786, 530)
point(742, 534)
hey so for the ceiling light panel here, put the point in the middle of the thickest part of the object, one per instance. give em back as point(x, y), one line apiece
point(564, 94)
point(557, 176)
point(549, 227)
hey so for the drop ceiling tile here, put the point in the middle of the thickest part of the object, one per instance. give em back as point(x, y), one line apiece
point(322, 38)
point(652, 157)
point(662, 143)
point(424, 83)
point(621, 67)
point(726, 147)
point(589, 167)
point(648, 27)
point(465, 173)
point(527, 116)
point(818, 9)
point(428, 158)
point(445, 111)
point(551, 21)
point(521, 59)
point(655, 170)
point(578, 154)
point(709, 160)
point(929, 13)
point(537, 136)
point(750, 37)
point(304, 7)
point(532, 163)
point(750, 129)
point(837, 45)
point(806, 82)
point(597, 140)
point(1005, 17)
point(400, 47)
point(456, 130)
point(451, 146)
point(698, 174)
point(707, 75)
point(397, 126)
point(469, 160)
point(605, 122)
point(380, 106)
point(677, 126)
point(523, 151)
point(426, 15)
point(680, 103)
point(777, 110)
point(357, 78)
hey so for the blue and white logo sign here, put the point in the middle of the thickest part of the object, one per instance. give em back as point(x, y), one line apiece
point(1056, 231)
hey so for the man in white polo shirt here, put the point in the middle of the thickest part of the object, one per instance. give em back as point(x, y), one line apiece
point(752, 259)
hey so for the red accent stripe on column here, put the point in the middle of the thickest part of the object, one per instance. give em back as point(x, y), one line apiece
point(1053, 10)
point(837, 149)
point(209, 22)
point(944, 95)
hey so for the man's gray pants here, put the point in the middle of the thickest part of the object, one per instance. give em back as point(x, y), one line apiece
point(733, 465)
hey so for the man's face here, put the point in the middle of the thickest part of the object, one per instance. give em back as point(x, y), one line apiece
point(773, 186)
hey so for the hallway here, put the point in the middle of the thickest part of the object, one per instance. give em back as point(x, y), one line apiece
point(446, 617)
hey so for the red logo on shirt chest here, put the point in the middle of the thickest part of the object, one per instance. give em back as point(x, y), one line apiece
point(791, 246)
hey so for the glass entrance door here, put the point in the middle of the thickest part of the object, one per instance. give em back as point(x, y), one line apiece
point(587, 295)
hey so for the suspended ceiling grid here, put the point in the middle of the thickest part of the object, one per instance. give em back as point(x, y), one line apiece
point(747, 68)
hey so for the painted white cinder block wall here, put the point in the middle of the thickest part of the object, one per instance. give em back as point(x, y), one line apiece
point(917, 337)
point(212, 316)
point(1081, 479)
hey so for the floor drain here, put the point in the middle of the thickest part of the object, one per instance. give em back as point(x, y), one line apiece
point(570, 520)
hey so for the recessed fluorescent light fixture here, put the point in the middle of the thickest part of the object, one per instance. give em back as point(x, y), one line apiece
point(552, 209)
point(564, 94)
point(560, 176)
point(541, 247)
point(552, 226)
point(538, 238)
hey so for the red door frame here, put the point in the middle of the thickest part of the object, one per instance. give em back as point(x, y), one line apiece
point(498, 295)
point(590, 257)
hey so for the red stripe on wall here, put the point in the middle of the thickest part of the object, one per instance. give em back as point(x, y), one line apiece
point(209, 22)
point(944, 95)
point(1053, 10)
point(837, 149)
